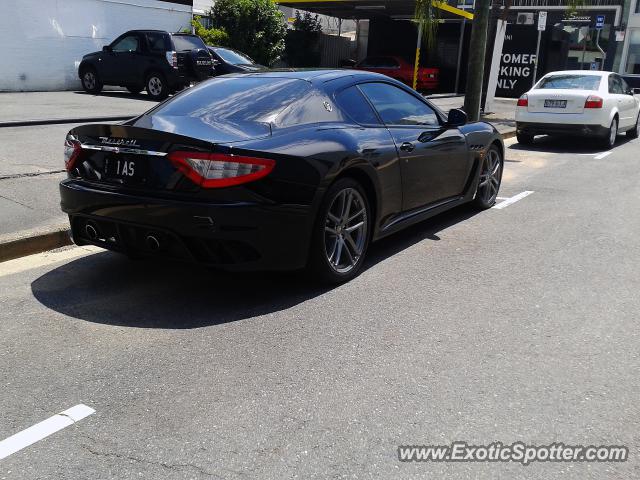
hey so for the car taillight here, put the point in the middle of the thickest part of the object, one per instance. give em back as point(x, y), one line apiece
point(593, 101)
point(172, 58)
point(523, 101)
point(72, 151)
point(215, 170)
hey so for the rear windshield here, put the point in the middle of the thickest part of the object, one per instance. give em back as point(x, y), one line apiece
point(244, 102)
point(232, 57)
point(187, 42)
point(571, 82)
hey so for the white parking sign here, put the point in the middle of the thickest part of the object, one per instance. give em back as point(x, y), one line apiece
point(542, 21)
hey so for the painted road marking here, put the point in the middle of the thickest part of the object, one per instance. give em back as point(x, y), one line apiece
point(603, 155)
point(23, 264)
point(512, 200)
point(43, 429)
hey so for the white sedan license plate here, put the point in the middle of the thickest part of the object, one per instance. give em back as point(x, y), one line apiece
point(555, 104)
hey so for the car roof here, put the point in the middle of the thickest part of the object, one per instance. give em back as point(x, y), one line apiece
point(319, 75)
point(579, 72)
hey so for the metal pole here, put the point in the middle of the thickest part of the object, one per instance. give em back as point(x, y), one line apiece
point(535, 66)
point(339, 26)
point(604, 55)
point(584, 50)
point(460, 45)
point(417, 62)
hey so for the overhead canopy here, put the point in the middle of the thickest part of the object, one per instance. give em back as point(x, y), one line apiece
point(364, 9)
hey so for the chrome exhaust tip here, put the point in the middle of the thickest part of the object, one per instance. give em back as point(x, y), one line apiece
point(91, 230)
point(153, 243)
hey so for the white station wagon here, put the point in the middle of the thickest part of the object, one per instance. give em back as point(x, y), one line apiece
point(578, 103)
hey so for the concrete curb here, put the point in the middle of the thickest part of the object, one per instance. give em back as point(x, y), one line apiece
point(30, 242)
point(54, 121)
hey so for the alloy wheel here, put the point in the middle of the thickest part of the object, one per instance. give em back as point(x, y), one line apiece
point(89, 80)
point(613, 133)
point(345, 230)
point(155, 86)
point(490, 177)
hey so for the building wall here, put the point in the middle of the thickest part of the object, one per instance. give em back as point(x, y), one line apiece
point(43, 41)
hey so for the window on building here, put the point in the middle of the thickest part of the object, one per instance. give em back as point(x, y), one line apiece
point(633, 57)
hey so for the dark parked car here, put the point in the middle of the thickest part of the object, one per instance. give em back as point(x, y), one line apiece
point(228, 60)
point(276, 170)
point(159, 61)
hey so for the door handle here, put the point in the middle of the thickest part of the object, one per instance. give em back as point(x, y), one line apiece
point(407, 147)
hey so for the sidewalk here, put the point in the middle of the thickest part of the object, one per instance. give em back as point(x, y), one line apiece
point(67, 107)
point(503, 116)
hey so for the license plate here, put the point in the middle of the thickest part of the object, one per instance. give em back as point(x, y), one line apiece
point(125, 170)
point(555, 104)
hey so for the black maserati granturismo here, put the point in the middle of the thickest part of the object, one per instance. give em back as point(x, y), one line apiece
point(276, 171)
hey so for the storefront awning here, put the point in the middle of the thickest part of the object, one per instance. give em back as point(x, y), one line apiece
point(364, 9)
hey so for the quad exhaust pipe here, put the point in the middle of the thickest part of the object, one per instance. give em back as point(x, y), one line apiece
point(91, 230)
point(153, 243)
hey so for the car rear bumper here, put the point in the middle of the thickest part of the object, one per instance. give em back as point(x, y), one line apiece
point(531, 128)
point(237, 236)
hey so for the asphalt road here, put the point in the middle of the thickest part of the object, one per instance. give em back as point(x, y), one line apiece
point(514, 324)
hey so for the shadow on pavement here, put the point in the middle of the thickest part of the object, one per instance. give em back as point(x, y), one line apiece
point(546, 144)
point(120, 94)
point(110, 289)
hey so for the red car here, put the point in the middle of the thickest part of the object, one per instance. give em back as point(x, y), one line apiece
point(400, 69)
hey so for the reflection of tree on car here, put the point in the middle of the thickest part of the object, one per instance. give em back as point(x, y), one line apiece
point(159, 61)
point(228, 60)
point(400, 69)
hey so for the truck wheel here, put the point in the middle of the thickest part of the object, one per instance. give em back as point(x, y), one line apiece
point(90, 81)
point(157, 86)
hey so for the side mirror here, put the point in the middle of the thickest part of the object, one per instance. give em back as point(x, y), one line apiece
point(457, 118)
point(107, 49)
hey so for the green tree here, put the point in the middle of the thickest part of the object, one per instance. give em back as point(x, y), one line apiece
point(255, 27)
point(210, 36)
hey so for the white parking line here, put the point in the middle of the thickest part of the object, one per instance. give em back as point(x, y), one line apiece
point(512, 200)
point(43, 429)
point(603, 155)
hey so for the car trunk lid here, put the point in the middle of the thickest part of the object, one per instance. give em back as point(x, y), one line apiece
point(556, 101)
point(137, 157)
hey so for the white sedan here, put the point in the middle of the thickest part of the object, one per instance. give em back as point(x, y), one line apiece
point(585, 103)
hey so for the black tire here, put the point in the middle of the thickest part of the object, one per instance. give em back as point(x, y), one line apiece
point(635, 131)
point(524, 138)
point(490, 179)
point(610, 140)
point(329, 237)
point(156, 86)
point(90, 80)
point(135, 90)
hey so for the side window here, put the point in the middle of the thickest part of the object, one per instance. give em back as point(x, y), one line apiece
point(615, 86)
point(127, 44)
point(625, 86)
point(397, 107)
point(356, 106)
point(157, 42)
